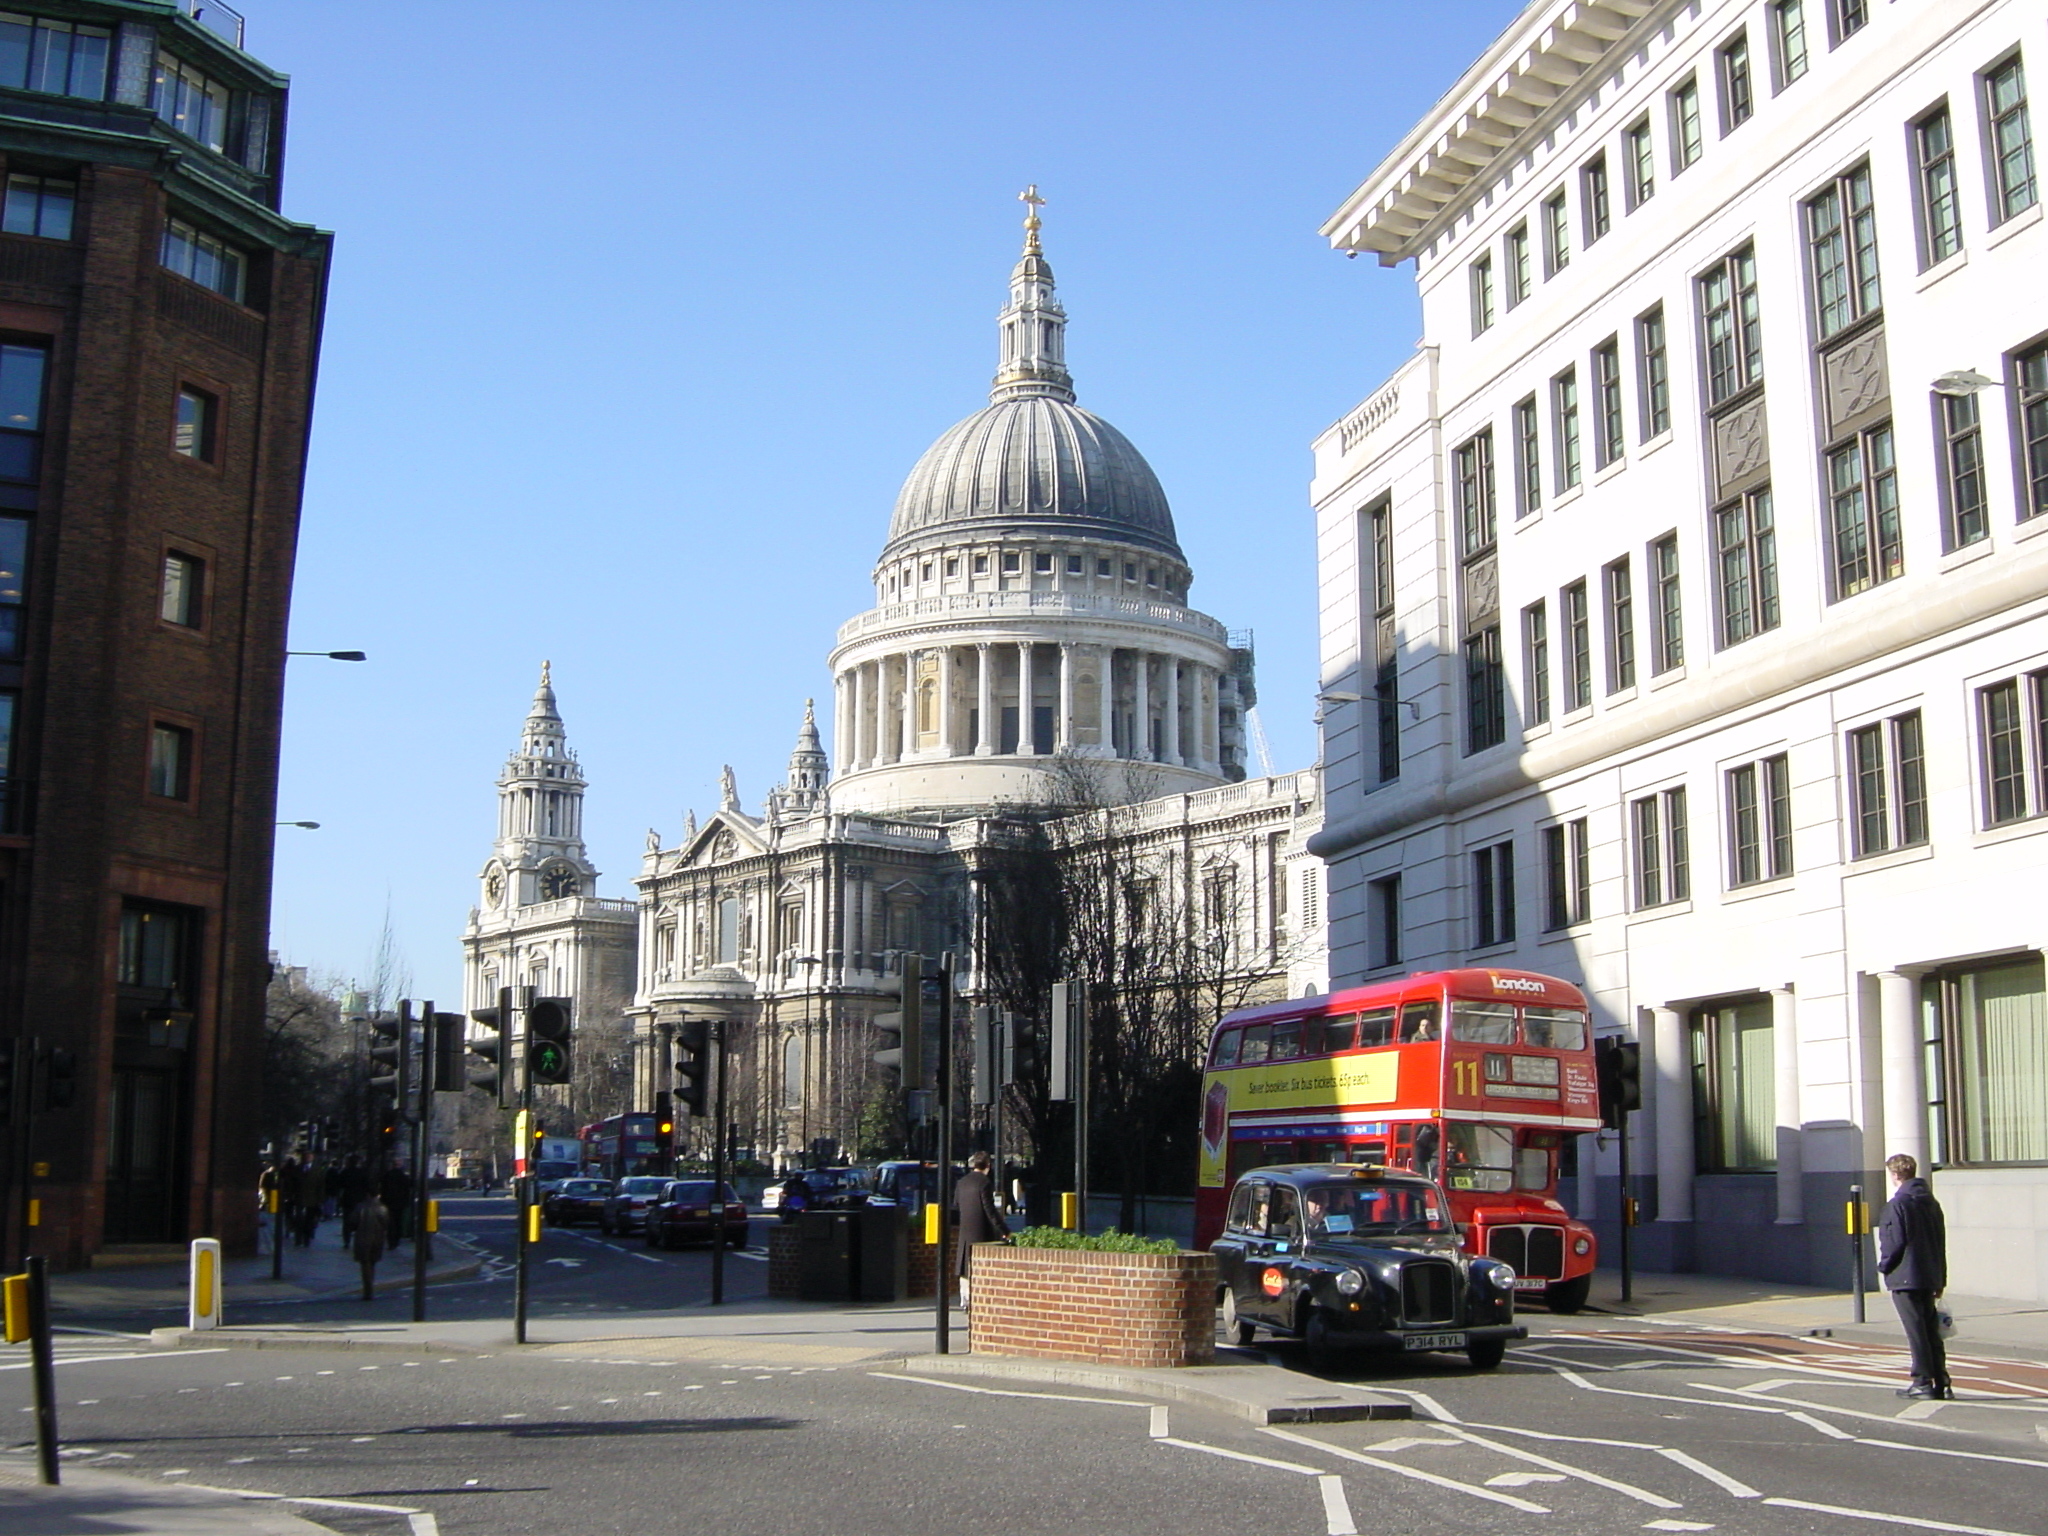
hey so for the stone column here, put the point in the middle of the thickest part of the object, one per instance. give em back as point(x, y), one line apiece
point(1105, 700)
point(1141, 706)
point(909, 703)
point(985, 683)
point(1170, 737)
point(1063, 724)
point(1671, 1062)
point(857, 756)
point(842, 691)
point(1785, 1075)
point(1025, 687)
point(946, 746)
point(1899, 1051)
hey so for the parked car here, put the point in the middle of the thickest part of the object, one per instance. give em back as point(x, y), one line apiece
point(1351, 1255)
point(829, 1189)
point(906, 1184)
point(576, 1200)
point(684, 1214)
point(625, 1209)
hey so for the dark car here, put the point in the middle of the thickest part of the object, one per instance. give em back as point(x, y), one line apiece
point(826, 1189)
point(684, 1214)
point(909, 1185)
point(575, 1200)
point(626, 1207)
point(1349, 1255)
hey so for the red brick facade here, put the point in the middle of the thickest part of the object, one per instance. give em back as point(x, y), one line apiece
point(1138, 1309)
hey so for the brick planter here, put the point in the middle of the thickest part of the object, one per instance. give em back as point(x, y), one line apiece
point(1141, 1309)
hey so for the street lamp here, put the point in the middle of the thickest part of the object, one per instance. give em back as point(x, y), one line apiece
point(1336, 696)
point(310, 826)
point(1958, 382)
point(333, 655)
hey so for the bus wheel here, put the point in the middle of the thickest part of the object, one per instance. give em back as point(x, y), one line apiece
point(1486, 1353)
point(1235, 1328)
point(1567, 1296)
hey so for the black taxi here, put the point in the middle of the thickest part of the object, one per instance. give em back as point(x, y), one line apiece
point(1350, 1255)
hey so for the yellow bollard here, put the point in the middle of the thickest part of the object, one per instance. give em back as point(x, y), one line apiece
point(533, 1224)
point(204, 1309)
point(931, 1224)
point(433, 1215)
point(1070, 1210)
point(14, 1295)
point(35, 1216)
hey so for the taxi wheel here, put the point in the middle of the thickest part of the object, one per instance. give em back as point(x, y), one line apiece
point(1486, 1353)
point(1567, 1296)
point(1235, 1328)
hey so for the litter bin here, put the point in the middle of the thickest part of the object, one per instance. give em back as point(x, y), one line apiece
point(884, 1270)
point(827, 1256)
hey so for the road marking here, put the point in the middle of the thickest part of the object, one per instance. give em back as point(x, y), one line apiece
point(1741, 1490)
point(1872, 1514)
point(1577, 1380)
point(1050, 1397)
point(1845, 1413)
point(1537, 1434)
point(1420, 1476)
point(143, 1354)
point(1408, 1442)
point(1523, 1479)
point(1159, 1429)
point(1257, 1461)
point(1336, 1508)
point(1429, 1405)
point(422, 1523)
point(1613, 1485)
point(1938, 1450)
point(1822, 1425)
point(1676, 1525)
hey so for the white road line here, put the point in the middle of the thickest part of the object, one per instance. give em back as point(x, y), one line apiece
point(1937, 1450)
point(146, 1354)
point(1050, 1397)
point(1406, 1443)
point(422, 1523)
point(1336, 1509)
point(1537, 1434)
point(1416, 1473)
point(1871, 1514)
point(1613, 1485)
point(1721, 1479)
point(1840, 1413)
point(1580, 1381)
point(1225, 1451)
point(1428, 1404)
point(1159, 1429)
point(1822, 1425)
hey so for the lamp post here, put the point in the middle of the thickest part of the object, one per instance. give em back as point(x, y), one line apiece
point(333, 655)
point(310, 826)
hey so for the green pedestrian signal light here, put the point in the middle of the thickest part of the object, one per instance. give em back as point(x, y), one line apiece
point(548, 1023)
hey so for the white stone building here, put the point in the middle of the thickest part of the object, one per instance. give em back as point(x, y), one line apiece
point(1693, 580)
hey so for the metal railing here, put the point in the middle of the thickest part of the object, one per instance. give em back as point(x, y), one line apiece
point(221, 20)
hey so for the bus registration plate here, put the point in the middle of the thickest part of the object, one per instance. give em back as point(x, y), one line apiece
point(1434, 1341)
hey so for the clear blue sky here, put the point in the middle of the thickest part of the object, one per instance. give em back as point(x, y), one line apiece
point(641, 313)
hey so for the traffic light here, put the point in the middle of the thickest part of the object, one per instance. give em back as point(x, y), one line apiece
point(1027, 1050)
point(693, 1065)
point(902, 1032)
point(489, 1047)
point(1068, 1034)
point(548, 1021)
point(392, 1049)
point(1619, 1064)
point(664, 1126)
point(988, 1064)
point(447, 1044)
point(7, 1060)
point(60, 1079)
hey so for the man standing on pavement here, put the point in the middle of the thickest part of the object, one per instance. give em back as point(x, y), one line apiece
point(372, 1221)
point(1912, 1245)
point(974, 1206)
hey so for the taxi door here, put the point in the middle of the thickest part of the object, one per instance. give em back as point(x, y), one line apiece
point(1271, 1261)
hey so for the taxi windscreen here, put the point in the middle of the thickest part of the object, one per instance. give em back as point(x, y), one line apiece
point(1374, 1210)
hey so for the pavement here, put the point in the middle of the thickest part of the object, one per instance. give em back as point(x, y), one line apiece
point(1242, 1382)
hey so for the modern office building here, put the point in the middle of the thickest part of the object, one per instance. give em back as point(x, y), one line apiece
point(159, 327)
point(1693, 580)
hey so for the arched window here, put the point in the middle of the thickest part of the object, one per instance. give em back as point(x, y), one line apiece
point(793, 1070)
point(927, 708)
point(728, 930)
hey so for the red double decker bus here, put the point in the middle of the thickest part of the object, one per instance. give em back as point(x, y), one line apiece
point(1472, 1077)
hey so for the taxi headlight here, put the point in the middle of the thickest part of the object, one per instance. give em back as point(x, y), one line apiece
point(1350, 1283)
point(1498, 1275)
point(1582, 1246)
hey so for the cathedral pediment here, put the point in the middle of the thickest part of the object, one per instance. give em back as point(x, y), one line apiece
point(726, 837)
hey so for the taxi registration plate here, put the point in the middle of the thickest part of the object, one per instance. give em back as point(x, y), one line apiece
point(1434, 1341)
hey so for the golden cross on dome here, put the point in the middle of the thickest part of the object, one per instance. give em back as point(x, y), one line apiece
point(1030, 198)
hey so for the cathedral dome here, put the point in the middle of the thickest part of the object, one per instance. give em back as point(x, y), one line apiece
point(1036, 459)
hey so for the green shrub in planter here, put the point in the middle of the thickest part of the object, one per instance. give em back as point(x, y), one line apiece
point(1111, 1241)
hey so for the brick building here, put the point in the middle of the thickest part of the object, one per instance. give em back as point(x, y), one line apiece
point(159, 326)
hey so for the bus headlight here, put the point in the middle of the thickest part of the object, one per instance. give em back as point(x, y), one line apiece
point(1350, 1283)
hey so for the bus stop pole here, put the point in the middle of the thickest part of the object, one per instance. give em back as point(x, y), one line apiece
point(718, 1034)
point(1628, 1214)
point(1858, 1221)
point(942, 1329)
point(422, 1139)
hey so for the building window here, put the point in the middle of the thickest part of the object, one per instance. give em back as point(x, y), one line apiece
point(1663, 858)
point(40, 206)
point(1477, 521)
point(1386, 683)
point(1578, 647)
point(1609, 435)
point(13, 583)
point(2031, 369)
point(1863, 508)
point(1738, 89)
point(157, 945)
point(1994, 1056)
point(1596, 202)
point(1667, 637)
point(2012, 731)
point(1685, 124)
point(1564, 417)
point(1567, 875)
point(205, 260)
point(1964, 516)
point(1493, 895)
point(1041, 562)
point(1486, 703)
point(1760, 821)
point(54, 57)
point(1619, 589)
point(1940, 210)
point(190, 101)
point(1735, 1088)
point(1640, 164)
point(1536, 661)
point(1482, 294)
point(2012, 141)
point(170, 761)
point(1847, 17)
point(22, 368)
point(1653, 373)
point(1841, 250)
point(1731, 325)
point(1383, 921)
point(1528, 459)
point(182, 600)
point(1011, 563)
point(1788, 40)
point(1557, 235)
point(192, 435)
point(1518, 264)
point(1888, 785)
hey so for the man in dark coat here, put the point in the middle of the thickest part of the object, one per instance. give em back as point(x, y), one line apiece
point(974, 1206)
point(1912, 1246)
point(372, 1222)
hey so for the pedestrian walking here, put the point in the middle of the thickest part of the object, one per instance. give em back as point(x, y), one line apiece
point(312, 1201)
point(372, 1227)
point(1912, 1246)
point(351, 1185)
point(395, 1190)
point(974, 1207)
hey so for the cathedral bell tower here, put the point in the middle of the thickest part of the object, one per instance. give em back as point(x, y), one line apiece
point(539, 854)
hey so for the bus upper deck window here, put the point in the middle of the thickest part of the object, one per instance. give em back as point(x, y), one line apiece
point(1286, 1041)
point(1560, 1029)
point(1340, 1033)
point(1226, 1047)
point(1419, 1021)
point(1255, 1039)
point(1376, 1027)
point(1483, 1023)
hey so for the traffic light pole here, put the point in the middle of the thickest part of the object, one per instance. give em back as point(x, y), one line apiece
point(523, 1189)
point(942, 1334)
point(1628, 1214)
point(422, 1139)
point(718, 1035)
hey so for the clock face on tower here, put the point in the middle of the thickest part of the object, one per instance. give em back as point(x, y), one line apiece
point(557, 882)
point(494, 886)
